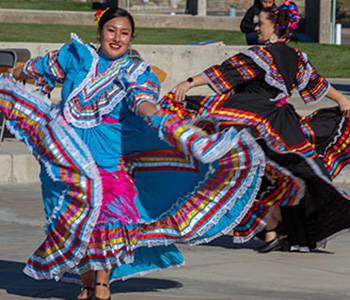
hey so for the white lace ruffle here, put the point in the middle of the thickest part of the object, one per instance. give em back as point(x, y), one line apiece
point(306, 79)
point(65, 134)
point(60, 127)
point(268, 78)
point(331, 145)
point(262, 224)
point(257, 166)
point(141, 68)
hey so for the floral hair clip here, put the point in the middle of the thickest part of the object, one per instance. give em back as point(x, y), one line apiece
point(292, 9)
point(98, 15)
point(293, 13)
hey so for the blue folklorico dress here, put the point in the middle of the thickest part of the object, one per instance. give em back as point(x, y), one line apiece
point(118, 189)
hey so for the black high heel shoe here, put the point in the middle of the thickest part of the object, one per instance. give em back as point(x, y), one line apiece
point(89, 288)
point(103, 284)
point(277, 244)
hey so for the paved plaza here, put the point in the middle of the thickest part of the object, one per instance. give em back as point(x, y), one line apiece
point(220, 270)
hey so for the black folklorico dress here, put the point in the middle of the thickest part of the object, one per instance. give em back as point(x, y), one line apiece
point(252, 88)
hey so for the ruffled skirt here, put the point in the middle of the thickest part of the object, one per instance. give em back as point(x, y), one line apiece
point(312, 150)
point(186, 187)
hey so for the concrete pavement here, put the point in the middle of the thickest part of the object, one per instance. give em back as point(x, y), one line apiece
point(220, 270)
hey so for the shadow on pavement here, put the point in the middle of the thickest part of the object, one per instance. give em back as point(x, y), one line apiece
point(14, 281)
point(225, 241)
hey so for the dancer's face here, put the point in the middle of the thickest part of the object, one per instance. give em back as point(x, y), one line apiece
point(265, 28)
point(266, 3)
point(115, 37)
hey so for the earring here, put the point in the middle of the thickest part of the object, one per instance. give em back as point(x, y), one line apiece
point(273, 38)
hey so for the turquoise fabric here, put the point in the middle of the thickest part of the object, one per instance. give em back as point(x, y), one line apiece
point(96, 151)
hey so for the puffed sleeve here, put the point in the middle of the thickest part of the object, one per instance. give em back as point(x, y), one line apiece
point(145, 88)
point(311, 86)
point(50, 68)
point(232, 72)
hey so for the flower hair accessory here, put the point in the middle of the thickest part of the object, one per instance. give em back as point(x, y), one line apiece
point(294, 17)
point(98, 15)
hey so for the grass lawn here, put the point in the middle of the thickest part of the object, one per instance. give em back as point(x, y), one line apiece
point(331, 61)
point(57, 33)
point(46, 5)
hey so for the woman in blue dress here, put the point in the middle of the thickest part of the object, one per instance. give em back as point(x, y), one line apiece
point(121, 181)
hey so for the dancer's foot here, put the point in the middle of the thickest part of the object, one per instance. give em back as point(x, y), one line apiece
point(275, 240)
point(277, 244)
point(102, 291)
point(86, 293)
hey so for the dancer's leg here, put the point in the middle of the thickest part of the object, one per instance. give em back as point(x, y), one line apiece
point(88, 280)
point(102, 284)
point(272, 224)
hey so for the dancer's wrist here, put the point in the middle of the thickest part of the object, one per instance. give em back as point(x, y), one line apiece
point(190, 81)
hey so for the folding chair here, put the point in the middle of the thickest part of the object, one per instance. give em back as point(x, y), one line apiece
point(134, 55)
point(23, 54)
point(8, 60)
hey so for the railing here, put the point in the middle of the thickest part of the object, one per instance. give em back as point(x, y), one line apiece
point(214, 7)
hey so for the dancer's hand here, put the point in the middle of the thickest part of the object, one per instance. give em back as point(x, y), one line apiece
point(13, 73)
point(18, 73)
point(344, 105)
point(343, 102)
point(147, 109)
point(180, 90)
point(159, 113)
point(183, 87)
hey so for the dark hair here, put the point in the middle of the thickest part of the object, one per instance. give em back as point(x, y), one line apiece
point(281, 18)
point(116, 12)
point(257, 3)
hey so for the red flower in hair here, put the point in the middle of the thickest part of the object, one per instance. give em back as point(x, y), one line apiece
point(98, 15)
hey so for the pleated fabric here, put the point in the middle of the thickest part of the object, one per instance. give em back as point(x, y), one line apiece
point(181, 185)
point(252, 89)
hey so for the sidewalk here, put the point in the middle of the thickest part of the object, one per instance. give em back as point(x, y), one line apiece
point(220, 270)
